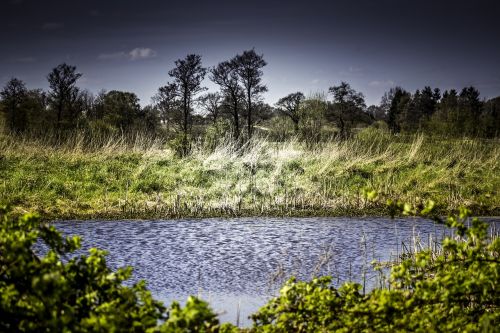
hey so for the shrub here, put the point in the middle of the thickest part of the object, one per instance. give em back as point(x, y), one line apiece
point(454, 289)
point(79, 293)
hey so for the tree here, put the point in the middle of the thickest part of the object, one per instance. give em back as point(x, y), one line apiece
point(386, 101)
point(409, 114)
point(446, 118)
point(421, 108)
point(249, 69)
point(376, 112)
point(148, 119)
point(167, 102)
point(226, 76)
point(86, 101)
point(64, 94)
point(97, 111)
point(428, 101)
point(470, 107)
point(490, 118)
point(313, 114)
point(39, 118)
point(398, 99)
point(212, 105)
point(121, 109)
point(188, 75)
point(290, 107)
point(14, 96)
point(347, 108)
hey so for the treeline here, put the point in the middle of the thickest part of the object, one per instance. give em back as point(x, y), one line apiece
point(181, 111)
point(450, 113)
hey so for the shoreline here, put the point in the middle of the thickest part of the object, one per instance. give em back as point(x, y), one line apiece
point(148, 216)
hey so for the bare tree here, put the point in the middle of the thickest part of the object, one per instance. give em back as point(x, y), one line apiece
point(226, 76)
point(290, 106)
point(212, 105)
point(188, 75)
point(249, 69)
point(64, 95)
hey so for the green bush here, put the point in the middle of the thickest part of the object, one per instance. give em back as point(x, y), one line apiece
point(79, 293)
point(454, 289)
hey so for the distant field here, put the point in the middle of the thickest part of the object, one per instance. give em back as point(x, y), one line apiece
point(145, 179)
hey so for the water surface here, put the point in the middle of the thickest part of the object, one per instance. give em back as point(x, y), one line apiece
point(240, 262)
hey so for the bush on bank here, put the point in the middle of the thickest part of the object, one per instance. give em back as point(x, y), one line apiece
point(55, 293)
point(455, 289)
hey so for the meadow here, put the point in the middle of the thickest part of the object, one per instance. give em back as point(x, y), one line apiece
point(139, 177)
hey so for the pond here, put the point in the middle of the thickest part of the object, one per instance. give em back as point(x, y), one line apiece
point(238, 264)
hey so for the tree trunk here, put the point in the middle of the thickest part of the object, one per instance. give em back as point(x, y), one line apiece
point(185, 125)
point(185, 107)
point(236, 118)
point(249, 115)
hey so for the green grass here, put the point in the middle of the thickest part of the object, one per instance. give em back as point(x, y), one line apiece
point(143, 178)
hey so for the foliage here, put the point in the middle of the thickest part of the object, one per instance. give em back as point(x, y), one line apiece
point(347, 108)
point(14, 95)
point(453, 290)
point(226, 77)
point(60, 292)
point(188, 75)
point(312, 116)
point(121, 109)
point(168, 104)
point(290, 107)
point(211, 104)
point(249, 70)
point(64, 96)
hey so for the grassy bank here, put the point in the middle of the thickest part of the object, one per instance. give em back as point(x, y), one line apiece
point(143, 178)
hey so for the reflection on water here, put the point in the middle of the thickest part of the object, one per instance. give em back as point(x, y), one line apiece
point(240, 262)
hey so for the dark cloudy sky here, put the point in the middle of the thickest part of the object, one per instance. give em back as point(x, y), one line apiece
point(309, 45)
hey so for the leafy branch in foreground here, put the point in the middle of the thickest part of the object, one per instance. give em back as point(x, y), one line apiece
point(453, 290)
point(57, 293)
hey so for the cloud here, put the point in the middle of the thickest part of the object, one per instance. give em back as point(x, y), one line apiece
point(138, 53)
point(376, 83)
point(52, 25)
point(142, 53)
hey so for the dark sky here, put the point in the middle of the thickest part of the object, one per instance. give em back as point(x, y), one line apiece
point(309, 45)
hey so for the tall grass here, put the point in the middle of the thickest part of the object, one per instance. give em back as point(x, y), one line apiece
point(136, 176)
